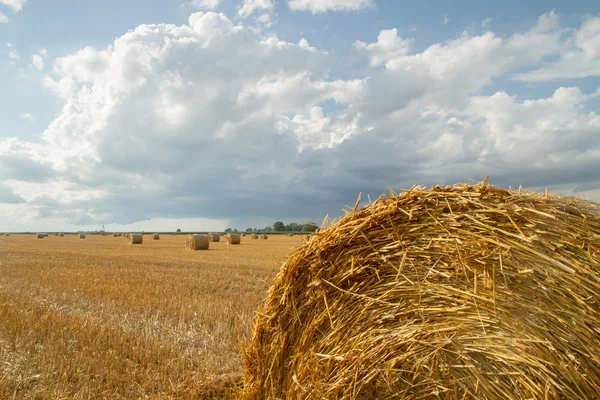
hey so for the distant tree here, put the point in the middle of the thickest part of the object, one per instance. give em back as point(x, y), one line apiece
point(294, 227)
point(249, 230)
point(235, 230)
point(279, 226)
point(255, 230)
point(178, 230)
point(309, 227)
point(228, 230)
point(268, 229)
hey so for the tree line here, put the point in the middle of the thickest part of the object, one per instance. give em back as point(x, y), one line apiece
point(279, 226)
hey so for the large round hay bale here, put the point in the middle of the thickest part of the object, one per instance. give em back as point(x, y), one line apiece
point(156, 236)
point(214, 237)
point(264, 236)
point(463, 292)
point(81, 236)
point(233, 238)
point(40, 236)
point(197, 242)
point(254, 236)
point(61, 234)
point(136, 238)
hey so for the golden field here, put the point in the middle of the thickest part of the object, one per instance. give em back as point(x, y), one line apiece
point(100, 318)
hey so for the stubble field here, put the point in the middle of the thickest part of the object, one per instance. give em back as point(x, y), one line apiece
point(100, 318)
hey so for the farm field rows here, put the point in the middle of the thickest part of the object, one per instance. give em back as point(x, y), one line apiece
point(100, 318)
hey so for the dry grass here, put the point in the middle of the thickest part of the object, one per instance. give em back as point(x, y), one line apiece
point(465, 292)
point(98, 318)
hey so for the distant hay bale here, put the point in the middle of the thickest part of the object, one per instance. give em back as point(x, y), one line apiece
point(40, 236)
point(115, 235)
point(81, 236)
point(61, 234)
point(197, 242)
point(7, 234)
point(156, 236)
point(243, 234)
point(254, 236)
point(55, 234)
point(45, 235)
point(264, 236)
point(461, 292)
point(214, 237)
point(233, 238)
point(136, 238)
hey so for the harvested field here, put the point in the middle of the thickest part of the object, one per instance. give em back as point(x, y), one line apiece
point(99, 318)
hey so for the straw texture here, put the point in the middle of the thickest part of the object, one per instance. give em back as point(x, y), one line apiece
point(214, 237)
point(197, 242)
point(462, 292)
point(40, 236)
point(156, 236)
point(233, 238)
point(136, 238)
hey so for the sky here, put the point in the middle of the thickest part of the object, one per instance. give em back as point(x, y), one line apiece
point(208, 114)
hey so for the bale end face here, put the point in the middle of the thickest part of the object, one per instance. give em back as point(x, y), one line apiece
point(466, 292)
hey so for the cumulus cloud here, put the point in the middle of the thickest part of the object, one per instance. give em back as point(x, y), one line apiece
point(3, 18)
point(14, 5)
point(205, 4)
point(37, 60)
point(322, 6)
point(580, 59)
point(169, 118)
point(7, 196)
point(248, 7)
point(27, 116)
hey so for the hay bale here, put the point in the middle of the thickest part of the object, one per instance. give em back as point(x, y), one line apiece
point(197, 242)
point(61, 234)
point(254, 236)
point(40, 236)
point(233, 238)
point(7, 234)
point(214, 237)
point(115, 235)
point(462, 292)
point(264, 236)
point(156, 236)
point(81, 236)
point(136, 238)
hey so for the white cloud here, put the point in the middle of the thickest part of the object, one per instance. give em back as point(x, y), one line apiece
point(14, 5)
point(7, 195)
point(486, 22)
point(13, 55)
point(322, 6)
point(37, 60)
point(580, 59)
point(167, 117)
point(27, 116)
point(3, 18)
point(205, 4)
point(388, 46)
point(446, 19)
point(248, 7)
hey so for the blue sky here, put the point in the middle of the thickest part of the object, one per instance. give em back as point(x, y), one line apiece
point(311, 101)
